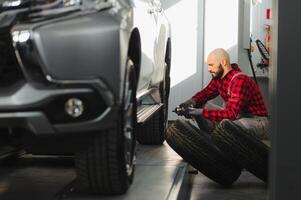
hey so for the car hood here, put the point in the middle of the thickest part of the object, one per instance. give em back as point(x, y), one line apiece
point(12, 11)
point(36, 10)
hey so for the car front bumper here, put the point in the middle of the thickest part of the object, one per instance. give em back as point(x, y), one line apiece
point(41, 110)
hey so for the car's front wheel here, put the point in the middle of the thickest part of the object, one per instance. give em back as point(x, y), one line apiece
point(107, 166)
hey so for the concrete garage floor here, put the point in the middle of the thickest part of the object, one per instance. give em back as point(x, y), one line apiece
point(247, 187)
point(160, 174)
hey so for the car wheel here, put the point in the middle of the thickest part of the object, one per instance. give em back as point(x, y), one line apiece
point(107, 166)
point(247, 151)
point(197, 148)
point(153, 131)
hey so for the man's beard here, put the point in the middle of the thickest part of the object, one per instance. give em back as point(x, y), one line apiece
point(219, 73)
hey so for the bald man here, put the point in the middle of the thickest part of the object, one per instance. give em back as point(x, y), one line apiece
point(244, 102)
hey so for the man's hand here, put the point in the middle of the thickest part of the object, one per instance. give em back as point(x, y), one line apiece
point(179, 111)
point(189, 112)
point(187, 104)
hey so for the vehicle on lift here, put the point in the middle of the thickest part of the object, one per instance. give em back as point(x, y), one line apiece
point(85, 77)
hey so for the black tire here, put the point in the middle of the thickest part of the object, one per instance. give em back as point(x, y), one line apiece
point(246, 150)
point(153, 131)
point(107, 166)
point(197, 149)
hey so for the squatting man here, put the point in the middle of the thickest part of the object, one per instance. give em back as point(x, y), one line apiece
point(244, 103)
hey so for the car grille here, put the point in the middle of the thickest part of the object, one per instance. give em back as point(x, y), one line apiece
point(11, 75)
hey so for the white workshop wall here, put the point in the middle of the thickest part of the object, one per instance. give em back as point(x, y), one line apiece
point(258, 29)
point(221, 30)
point(186, 18)
point(199, 26)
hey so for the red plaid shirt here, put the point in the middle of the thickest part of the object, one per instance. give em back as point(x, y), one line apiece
point(245, 96)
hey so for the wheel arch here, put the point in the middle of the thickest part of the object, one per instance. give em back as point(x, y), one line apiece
point(134, 50)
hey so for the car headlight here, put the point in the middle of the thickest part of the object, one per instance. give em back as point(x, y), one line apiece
point(37, 4)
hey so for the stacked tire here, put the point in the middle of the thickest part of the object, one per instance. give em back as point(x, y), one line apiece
point(197, 148)
point(242, 148)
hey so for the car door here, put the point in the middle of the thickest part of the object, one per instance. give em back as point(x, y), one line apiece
point(144, 19)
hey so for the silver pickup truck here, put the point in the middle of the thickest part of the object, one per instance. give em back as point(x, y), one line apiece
point(85, 78)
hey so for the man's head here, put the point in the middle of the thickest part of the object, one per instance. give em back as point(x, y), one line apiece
point(218, 63)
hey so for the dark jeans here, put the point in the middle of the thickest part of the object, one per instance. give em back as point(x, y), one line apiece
point(204, 124)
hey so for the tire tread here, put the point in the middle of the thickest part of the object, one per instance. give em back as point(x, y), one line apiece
point(198, 150)
point(247, 151)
